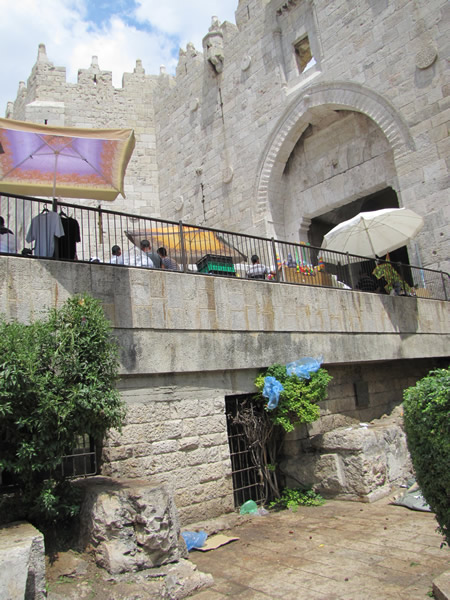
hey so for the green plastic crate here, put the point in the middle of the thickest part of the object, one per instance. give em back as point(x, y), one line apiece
point(216, 264)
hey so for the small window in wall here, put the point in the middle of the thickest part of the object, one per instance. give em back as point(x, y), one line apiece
point(303, 55)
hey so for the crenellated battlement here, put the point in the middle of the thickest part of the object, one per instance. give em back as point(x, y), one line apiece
point(299, 110)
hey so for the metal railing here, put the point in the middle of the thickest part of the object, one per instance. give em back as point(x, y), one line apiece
point(89, 234)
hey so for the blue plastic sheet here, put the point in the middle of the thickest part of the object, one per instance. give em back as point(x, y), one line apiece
point(194, 539)
point(303, 367)
point(272, 390)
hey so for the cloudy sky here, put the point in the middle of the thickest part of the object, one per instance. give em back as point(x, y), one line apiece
point(117, 31)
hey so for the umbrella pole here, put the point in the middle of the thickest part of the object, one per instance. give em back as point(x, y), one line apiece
point(55, 201)
point(370, 239)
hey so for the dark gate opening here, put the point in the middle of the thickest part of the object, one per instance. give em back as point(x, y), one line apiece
point(82, 462)
point(386, 198)
point(247, 480)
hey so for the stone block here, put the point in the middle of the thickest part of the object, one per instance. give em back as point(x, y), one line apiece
point(324, 472)
point(355, 462)
point(130, 524)
point(441, 586)
point(22, 562)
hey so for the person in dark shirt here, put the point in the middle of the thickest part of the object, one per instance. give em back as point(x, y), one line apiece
point(7, 240)
point(166, 262)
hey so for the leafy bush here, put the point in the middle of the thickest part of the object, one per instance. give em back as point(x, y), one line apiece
point(427, 425)
point(293, 498)
point(299, 399)
point(57, 381)
point(264, 428)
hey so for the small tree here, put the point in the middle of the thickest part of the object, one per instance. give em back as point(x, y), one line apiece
point(427, 425)
point(264, 428)
point(57, 381)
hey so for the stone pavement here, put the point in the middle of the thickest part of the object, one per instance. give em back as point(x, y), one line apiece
point(339, 551)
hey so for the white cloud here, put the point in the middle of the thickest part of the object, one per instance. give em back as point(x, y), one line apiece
point(71, 40)
point(187, 20)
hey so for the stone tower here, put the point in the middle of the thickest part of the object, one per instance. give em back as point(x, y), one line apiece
point(295, 118)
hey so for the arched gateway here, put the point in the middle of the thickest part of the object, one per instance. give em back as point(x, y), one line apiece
point(295, 186)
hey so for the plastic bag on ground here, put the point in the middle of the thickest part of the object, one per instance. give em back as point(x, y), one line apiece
point(249, 508)
point(272, 390)
point(303, 367)
point(194, 539)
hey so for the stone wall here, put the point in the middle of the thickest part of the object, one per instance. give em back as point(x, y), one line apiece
point(189, 341)
point(94, 102)
point(214, 141)
point(331, 165)
point(176, 426)
point(385, 61)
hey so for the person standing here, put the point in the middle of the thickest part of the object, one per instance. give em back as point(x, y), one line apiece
point(257, 270)
point(166, 262)
point(116, 258)
point(145, 257)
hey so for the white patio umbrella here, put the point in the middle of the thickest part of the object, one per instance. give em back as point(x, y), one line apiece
point(374, 233)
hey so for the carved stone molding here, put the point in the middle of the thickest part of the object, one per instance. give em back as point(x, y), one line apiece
point(426, 57)
point(227, 175)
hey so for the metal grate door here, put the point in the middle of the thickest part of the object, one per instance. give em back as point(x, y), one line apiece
point(247, 482)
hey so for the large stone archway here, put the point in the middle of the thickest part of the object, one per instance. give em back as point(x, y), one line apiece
point(313, 105)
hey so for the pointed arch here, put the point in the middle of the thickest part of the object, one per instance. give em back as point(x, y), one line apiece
point(335, 95)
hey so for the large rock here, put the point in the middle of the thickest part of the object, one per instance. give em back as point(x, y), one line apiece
point(22, 562)
point(358, 462)
point(130, 524)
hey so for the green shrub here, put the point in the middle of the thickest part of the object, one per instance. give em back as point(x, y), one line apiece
point(264, 428)
point(57, 381)
point(293, 498)
point(299, 399)
point(427, 425)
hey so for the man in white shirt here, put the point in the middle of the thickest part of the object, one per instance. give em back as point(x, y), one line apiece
point(139, 258)
point(116, 258)
point(257, 270)
point(145, 259)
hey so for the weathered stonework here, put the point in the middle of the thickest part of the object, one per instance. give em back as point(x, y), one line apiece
point(242, 139)
point(178, 366)
point(129, 525)
point(22, 562)
point(358, 462)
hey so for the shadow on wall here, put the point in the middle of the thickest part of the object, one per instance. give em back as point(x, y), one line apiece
point(403, 314)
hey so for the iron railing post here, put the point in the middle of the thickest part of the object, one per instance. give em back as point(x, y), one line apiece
point(274, 251)
point(183, 249)
point(350, 274)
